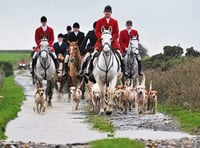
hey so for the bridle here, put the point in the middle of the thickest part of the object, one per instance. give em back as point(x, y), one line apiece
point(109, 63)
point(45, 67)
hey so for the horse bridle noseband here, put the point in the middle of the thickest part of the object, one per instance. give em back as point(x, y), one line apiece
point(43, 66)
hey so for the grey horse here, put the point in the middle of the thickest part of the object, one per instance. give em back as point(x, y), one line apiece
point(45, 69)
point(130, 61)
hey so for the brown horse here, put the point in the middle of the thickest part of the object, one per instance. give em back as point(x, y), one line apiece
point(60, 78)
point(74, 64)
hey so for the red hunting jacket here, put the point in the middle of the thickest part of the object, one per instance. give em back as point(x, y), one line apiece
point(39, 34)
point(115, 32)
point(124, 39)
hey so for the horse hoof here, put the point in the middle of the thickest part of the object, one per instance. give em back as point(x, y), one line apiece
point(108, 113)
point(101, 113)
point(49, 105)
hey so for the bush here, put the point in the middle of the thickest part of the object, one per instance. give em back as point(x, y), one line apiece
point(7, 68)
point(178, 86)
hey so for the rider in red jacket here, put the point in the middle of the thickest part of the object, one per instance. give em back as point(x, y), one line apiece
point(44, 31)
point(41, 32)
point(106, 22)
point(124, 39)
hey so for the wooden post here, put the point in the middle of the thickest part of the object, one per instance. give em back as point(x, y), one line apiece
point(2, 75)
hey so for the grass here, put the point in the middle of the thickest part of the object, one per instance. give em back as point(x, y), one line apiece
point(10, 104)
point(100, 123)
point(14, 57)
point(116, 143)
point(189, 121)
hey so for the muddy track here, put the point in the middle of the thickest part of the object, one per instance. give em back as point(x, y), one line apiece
point(61, 125)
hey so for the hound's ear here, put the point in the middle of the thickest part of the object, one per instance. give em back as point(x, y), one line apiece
point(102, 29)
point(68, 42)
point(137, 83)
point(76, 42)
point(143, 81)
point(110, 29)
point(150, 87)
point(37, 85)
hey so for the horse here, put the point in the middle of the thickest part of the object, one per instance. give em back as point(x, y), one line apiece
point(74, 63)
point(61, 78)
point(130, 61)
point(106, 69)
point(45, 69)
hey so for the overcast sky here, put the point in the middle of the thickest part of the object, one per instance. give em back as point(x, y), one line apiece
point(159, 22)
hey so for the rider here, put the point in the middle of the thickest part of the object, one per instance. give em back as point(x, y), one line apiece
point(89, 49)
point(124, 39)
point(40, 32)
point(106, 22)
point(66, 36)
point(76, 35)
point(60, 46)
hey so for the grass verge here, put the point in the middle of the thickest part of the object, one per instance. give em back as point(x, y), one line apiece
point(10, 104)
point(100, 123)
point(189, 121)
point(116, 143)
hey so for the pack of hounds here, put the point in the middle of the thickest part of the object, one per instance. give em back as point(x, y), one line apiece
point(125, 98)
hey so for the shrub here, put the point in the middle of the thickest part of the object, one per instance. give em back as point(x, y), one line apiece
point(178, 86)
point(7, 68)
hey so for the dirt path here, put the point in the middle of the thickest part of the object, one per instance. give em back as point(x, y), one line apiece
point(60, 125)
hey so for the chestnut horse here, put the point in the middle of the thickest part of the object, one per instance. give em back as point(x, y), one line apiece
point(74, 63)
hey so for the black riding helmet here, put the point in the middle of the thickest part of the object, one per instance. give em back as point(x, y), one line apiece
point(43, 19)
point(108, 8)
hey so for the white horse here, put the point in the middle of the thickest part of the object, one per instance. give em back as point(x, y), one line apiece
point(45, 69)
point(130, 61)
point(106, 71)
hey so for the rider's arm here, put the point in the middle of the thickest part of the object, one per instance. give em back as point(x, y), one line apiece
point(98, 30)
point(115, 31)
point(37, 37)
point(51, 38)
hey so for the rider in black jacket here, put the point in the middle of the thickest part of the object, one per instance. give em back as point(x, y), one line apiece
point(89, 49)
point(92, 40)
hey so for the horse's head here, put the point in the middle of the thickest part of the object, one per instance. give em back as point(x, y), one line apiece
point(133, 44)
point(106, 39)
point(44, 44)
point(73, 50)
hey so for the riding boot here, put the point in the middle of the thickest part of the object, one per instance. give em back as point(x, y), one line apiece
point(91, 66)
point(56, 63)
point(140, 70)
point(66, 68)
point(123, 68)
point(84, 65)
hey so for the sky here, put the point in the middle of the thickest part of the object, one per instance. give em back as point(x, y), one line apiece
point(159, 22)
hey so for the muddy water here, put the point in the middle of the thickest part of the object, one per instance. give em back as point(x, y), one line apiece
point(62, 125)
point(58, 125)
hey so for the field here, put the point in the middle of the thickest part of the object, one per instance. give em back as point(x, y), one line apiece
point(14, 56)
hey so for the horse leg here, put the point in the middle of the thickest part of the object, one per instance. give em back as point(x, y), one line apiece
point(83, 90)
point(109, 107)
point(49, 92)
point(101, 87)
